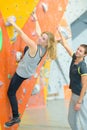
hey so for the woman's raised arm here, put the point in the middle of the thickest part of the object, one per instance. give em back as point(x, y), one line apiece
point(25, 38)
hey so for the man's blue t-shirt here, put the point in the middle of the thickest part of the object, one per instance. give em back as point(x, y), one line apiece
point(76, 71)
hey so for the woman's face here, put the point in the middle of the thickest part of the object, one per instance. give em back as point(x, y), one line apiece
point(43, 40)
point(80, 53)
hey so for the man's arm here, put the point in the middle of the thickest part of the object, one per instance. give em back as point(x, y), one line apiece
point(84, 88)
point(65, 44)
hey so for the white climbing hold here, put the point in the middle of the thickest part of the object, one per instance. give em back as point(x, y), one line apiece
point(9, 24)
point(34, 33)
point(24, 90)
point(36, 75)
point(18, 56)
point(45, 7)
point(64, 32)
point(14, 36)
point(1, 83)
point(60, 8)
point(36, 89)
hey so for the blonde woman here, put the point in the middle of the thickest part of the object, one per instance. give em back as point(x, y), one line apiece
point(28, 64)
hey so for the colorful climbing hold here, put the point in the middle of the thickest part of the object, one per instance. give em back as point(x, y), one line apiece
point(0, 39)
point(9, 76)
point(14, 19)
point(1, 83)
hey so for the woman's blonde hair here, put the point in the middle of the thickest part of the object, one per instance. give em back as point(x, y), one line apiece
point(51, 48)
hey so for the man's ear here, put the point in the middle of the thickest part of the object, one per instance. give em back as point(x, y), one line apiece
point(85, 55)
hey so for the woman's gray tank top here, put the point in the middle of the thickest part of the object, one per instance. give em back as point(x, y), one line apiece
point(27, 66)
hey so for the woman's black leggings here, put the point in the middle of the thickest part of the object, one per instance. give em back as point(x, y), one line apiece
point(15, 83)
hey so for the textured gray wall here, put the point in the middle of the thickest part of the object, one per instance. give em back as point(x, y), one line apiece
point(59, 73)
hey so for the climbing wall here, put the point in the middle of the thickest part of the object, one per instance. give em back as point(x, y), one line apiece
point(49, 14)
point(58, 73)
point(40, 92)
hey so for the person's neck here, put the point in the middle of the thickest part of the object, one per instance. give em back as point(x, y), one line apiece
point(78, 60)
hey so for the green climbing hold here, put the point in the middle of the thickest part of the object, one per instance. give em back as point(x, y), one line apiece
point(9, 76)
point(0, 39)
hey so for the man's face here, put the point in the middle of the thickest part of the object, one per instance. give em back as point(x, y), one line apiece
point(80, 53)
